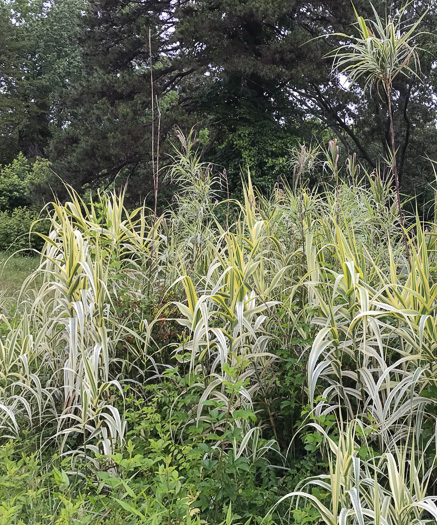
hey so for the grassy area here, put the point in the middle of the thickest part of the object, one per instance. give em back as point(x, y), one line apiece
point(14, 270)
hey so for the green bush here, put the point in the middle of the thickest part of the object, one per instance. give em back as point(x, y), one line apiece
point(19, 228)
point(24, 183)
point(21, 189)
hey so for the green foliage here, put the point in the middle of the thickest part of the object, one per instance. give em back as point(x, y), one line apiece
point(14, 191)
point(19, 230)
point(383, 50)
point(254, 361)
point(38, 61)
point(78, 76)
point(22, 183)
point(22, 187)
point(267, 359)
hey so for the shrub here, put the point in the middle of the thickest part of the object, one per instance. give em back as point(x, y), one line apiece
point(18, 230)
point(24, 183)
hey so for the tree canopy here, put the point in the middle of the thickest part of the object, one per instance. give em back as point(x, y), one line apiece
point(97, 86)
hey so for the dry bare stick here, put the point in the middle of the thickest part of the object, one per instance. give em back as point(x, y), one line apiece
point(225, 176)
point(156, 174)
point(152, 91)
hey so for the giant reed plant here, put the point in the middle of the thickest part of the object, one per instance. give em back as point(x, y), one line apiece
point(322, 264)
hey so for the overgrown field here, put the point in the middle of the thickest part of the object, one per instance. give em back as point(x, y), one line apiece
point(266, 361)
